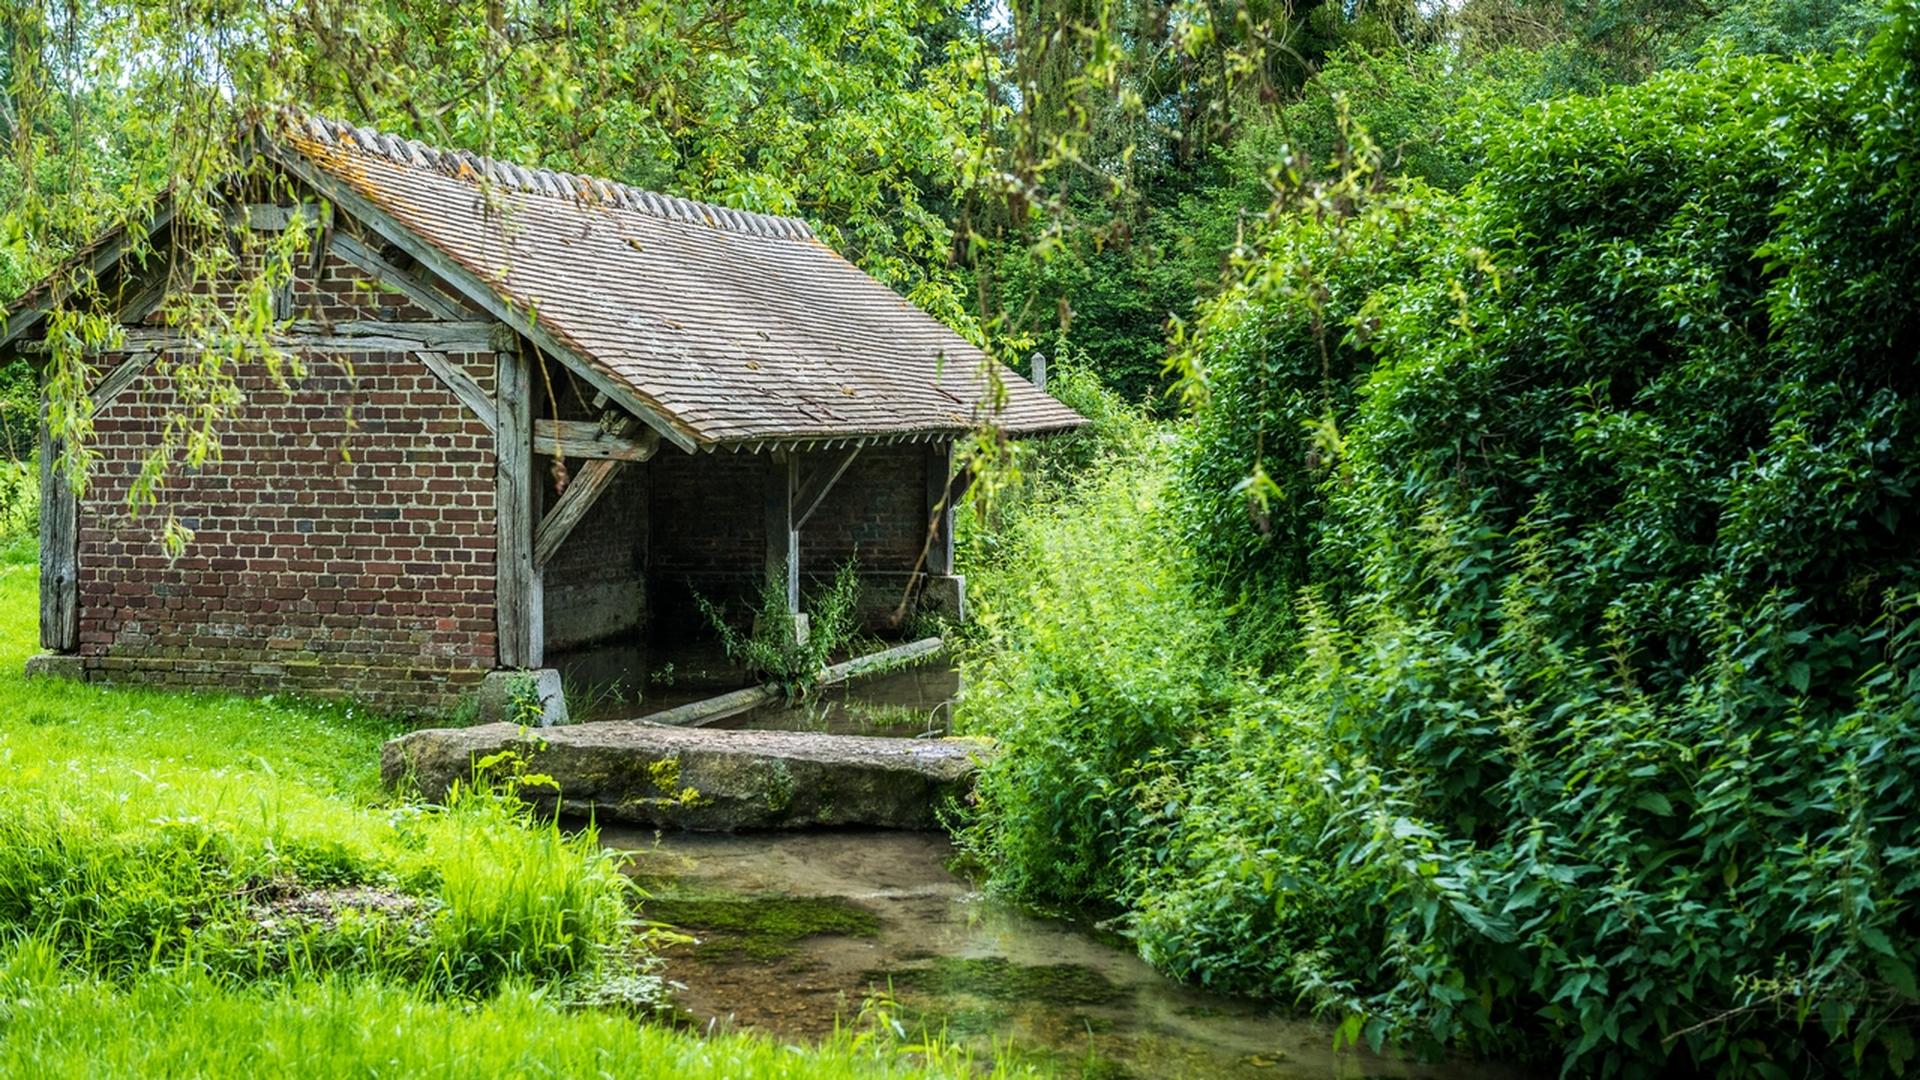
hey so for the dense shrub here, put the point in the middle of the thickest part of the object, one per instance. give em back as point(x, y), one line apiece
point(1094, 617)
point(1590, 538)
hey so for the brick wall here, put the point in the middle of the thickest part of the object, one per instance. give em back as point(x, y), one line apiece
point(877, 513)
point(595, 585)
point(708, 525)
point(343, 540)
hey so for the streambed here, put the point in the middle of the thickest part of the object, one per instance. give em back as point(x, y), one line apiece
point(797, 930)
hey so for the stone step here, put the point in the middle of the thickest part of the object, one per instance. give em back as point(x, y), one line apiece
point(699, 778)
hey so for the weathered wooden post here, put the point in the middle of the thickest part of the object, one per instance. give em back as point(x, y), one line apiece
point(59, 544)
point(517, 601)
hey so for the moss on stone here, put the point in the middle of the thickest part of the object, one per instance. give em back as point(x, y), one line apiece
point(760, 927)
point(1000, 979)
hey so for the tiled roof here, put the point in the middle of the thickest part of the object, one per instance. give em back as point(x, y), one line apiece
point(734, 327)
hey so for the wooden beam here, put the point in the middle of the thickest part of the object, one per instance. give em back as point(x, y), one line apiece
point(941, 496)
point(271, 217)
point(98, 262)
point(591, 439)
point(783, 539)
point(474, 287)
point(59, 546)
point(352, 336)
point(815, 491)
point(395, 279)
point(457, 380)
point(517, 597)
point(116, 382)
point(142, 303)
point(591, 482)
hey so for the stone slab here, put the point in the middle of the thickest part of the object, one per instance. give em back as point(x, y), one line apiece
point(704, 779)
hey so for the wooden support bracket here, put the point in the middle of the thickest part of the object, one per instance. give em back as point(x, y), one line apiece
point(814, 491)
point(115, 382)
point(463, 386)
point(591, 482)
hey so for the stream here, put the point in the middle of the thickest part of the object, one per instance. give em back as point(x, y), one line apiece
point(795, 931)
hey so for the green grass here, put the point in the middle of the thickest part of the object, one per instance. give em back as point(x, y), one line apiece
point(139, 827)
point(172, 875)
point(180, 1023)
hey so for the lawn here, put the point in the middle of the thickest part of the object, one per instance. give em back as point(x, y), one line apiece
point(208, 885)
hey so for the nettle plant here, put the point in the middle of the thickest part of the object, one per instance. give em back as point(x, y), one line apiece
point(776, 645)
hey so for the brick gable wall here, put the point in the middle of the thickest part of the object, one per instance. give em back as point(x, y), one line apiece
point(343, 540)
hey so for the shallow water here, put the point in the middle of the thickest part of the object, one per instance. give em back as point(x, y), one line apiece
point(914, 702)
point(626, 679)
point(797, 930)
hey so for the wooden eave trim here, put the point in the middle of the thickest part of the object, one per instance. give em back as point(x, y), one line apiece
point(19, 322)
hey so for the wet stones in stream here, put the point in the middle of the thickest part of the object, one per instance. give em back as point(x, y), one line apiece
point(760, 928)
point(797, 933)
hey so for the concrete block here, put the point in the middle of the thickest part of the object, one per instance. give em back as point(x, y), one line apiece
point(497, 691)
point(56, 666)
point(945, 594)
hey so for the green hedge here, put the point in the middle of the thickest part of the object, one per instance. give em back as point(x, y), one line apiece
point(1579, 544)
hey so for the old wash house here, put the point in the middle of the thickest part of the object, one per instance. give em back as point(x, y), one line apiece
point(539, 410)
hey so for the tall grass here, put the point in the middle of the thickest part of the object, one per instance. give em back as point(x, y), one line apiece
point(249, 839)
point(204, 885)
point(182, 1023)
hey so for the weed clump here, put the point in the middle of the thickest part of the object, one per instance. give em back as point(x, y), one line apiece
point(775, 647)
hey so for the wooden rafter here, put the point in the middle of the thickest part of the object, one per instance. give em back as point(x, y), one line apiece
point(97, 262)
point(815, 490)
point(394, 278)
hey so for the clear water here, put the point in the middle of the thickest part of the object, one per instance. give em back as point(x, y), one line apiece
point(893, 920)
point(621, 680)
point(915, 702)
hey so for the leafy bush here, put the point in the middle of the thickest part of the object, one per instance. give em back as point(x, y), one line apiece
point(773, 646)
point(1578, 534)
point(1105, 661)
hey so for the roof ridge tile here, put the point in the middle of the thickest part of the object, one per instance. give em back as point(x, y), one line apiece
point(468, 166)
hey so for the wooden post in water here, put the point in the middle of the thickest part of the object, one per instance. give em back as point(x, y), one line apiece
point(783, 533)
